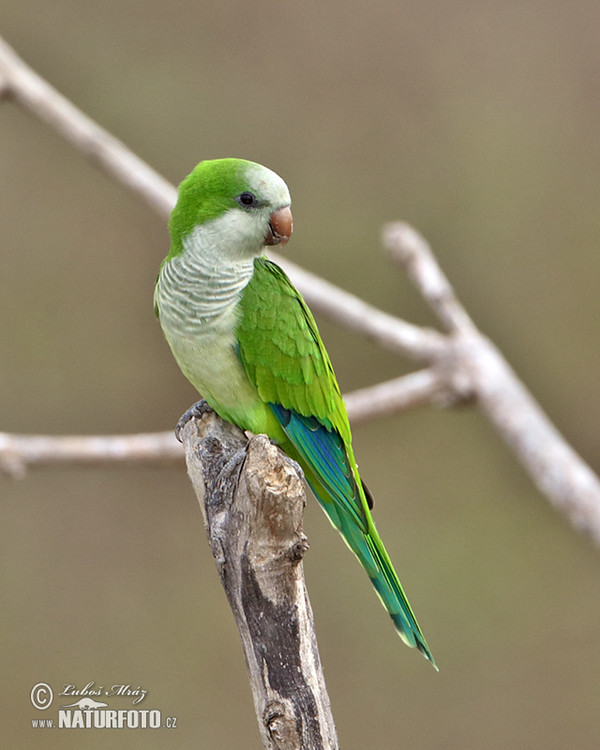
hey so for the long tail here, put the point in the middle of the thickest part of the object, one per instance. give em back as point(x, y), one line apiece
point(372, 555)
point(330, 469)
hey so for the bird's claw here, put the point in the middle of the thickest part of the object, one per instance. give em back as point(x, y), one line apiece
point(197, 411)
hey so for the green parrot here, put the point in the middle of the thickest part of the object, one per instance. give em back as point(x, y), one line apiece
point(244, 337)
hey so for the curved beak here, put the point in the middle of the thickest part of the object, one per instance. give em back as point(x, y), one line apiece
point(280, 228)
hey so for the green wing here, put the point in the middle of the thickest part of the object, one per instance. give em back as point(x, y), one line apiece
point(284, 357)
point(282, 351)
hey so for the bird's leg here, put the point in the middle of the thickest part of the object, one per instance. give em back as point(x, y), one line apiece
point(197, 411)
point(234, 465)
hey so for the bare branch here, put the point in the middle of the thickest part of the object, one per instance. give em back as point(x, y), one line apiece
point(252, 498)
point(473, 362)
point(17, 452)
point(556, 469)
point(410, 249)
point(31, 91)
point(416, 389)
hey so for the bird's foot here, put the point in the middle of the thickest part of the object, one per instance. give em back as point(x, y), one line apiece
point(234, 465)
point(197, 411)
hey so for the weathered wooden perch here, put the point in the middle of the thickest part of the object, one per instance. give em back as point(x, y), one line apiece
point(252, 497)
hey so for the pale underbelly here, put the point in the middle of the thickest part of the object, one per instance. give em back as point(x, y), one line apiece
point(213, 367)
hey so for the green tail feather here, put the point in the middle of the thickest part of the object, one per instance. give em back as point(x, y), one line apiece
point(331, 472)
point(390, 592)
point(372, 555)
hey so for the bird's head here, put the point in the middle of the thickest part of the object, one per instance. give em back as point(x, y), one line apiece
point(232, 205)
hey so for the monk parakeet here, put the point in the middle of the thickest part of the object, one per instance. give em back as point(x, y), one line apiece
point(245, 338)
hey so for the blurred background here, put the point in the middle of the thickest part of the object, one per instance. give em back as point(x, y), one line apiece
point(477, 122)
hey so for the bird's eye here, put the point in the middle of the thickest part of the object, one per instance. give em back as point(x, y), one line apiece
point(248, 200)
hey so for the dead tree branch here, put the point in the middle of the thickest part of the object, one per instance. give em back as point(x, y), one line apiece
point(19, 452)
point(22, 84)
point(252, 498)
point(474, 365)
